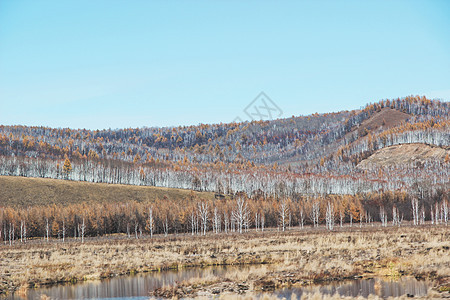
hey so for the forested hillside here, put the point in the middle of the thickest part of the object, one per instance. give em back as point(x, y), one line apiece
point(388, 160)
point(316, 154)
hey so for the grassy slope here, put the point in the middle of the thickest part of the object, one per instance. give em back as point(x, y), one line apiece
point(385, 118)
point(22, 191)
point(405, 154)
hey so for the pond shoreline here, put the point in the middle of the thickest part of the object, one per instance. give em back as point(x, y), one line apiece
point(297, 256)
point(269, 289)
point(212, 281)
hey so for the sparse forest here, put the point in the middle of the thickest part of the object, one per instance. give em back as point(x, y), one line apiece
point(197, 217)
point(282, 173)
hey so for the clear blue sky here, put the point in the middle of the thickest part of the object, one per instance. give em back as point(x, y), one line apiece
point(100, 64)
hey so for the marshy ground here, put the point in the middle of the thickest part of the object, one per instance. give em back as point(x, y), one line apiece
point(293, 258)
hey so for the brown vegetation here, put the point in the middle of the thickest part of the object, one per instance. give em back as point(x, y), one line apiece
point(38, 208)
point(92, 210)
point(405, 154)
point(386, 118)
point(295, 257)
point(23, 191)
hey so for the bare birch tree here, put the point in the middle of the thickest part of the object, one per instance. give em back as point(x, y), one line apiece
point(436, 215)
point(341, 217)
point(445, 211)
point(422, 215)
point(283, 212)
point(329, 217)
point(302, 218)
point(217, 221)
point(262, 222)
point(63, 230)
point(383, 216)
point(203, 214)
point(432, 215)
point(11, 234)
point(241, 214)
point(415, 210)
point(394, 216)
point(166, 226)
point(226, 222)
point(83, 228)
point(151, 222)
point(193, 221)
point(315, 212)
point(47, 229)
point(21, 230)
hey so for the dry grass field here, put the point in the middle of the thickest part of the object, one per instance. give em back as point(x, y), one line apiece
point(296, 257)
point(23, 191)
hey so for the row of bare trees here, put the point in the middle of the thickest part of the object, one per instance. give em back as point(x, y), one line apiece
point(333, 178)
point(199, 217)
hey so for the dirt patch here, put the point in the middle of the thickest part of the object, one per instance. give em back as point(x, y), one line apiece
point(405, 154)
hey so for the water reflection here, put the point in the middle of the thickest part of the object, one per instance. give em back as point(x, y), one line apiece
point(123, 287)
point(365, 287)
point(139, 286)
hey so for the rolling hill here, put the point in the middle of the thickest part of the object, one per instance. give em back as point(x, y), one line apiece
point(25, 192)
point(304, 155)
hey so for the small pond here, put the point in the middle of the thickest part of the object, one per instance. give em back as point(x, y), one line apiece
point(123, 287)
point(138, 286)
